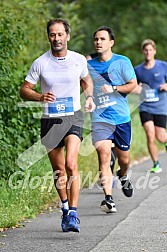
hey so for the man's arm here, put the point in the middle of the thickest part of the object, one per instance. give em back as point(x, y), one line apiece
point(87, 87)
point(163, 87)
point(128, 87)
point(27, 92)
point(125, 88)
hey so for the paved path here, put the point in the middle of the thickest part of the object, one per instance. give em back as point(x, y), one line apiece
point(140, 223)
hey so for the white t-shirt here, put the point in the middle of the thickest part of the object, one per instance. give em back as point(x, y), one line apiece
point(60, 75)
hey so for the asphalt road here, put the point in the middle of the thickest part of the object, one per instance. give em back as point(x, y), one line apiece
point(140, 223)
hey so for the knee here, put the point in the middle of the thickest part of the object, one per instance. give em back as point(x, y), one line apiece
point(161, 138)
point(71, 167)
point(59, 173)
point(124, 161)
point(104, 156)
point(150, 135)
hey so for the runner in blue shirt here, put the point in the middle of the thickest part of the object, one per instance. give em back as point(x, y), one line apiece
point(114, 77)
point(152, 76)
point(113, 152)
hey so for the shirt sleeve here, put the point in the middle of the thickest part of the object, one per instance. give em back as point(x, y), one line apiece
point(34, 73)
point(128, 71)
point(84, 65)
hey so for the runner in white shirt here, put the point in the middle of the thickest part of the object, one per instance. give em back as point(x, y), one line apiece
point(61, 74)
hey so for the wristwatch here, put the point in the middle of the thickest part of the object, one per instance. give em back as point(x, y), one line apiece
point(114, 88)
point(90, 96)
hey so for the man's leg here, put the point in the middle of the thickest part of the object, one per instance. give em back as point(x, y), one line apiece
point(160, 122)
point(113, 158)
point(161, 134)
point(103, 149)
point(122, 173)
point(150, 134)
point(57, 160)
point(72, 143)
point(123, 161)
point(148, 122)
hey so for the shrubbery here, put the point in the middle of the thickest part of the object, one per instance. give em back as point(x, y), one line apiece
point(18, 129)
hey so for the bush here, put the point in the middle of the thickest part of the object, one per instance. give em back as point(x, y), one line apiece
point(18, 129)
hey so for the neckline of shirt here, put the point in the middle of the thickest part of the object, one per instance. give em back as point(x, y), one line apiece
point(113, 54)
point(59, 59)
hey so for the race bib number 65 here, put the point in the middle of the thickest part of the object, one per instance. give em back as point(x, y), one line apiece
point(61, 107)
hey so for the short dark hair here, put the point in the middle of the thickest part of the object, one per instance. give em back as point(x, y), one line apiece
point(59, 20)
point(105, 28)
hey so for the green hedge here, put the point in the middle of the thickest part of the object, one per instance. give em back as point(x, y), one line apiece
point(18, 129)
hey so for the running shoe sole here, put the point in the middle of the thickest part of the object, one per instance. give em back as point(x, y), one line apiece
point(73, 229)
point(108, 207)
point(156, 171)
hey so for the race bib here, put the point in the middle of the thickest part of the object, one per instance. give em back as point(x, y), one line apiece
point(61, 107)
point(151, 95)
point(104, 101)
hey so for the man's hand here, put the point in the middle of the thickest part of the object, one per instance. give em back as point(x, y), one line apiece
point(163, 87)
point(48, 97)
point(107, 89)
point(138, 89)
point(89, 105)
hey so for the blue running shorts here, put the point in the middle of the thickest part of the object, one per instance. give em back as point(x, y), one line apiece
point(119, 134)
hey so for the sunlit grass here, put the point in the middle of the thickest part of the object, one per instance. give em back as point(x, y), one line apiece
point(22, 198)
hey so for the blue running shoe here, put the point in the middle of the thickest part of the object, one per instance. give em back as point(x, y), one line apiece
point(72, 222)
point(64, 220)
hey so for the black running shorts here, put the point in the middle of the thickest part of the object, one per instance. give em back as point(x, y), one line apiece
point(159, 120)
point(54, 130)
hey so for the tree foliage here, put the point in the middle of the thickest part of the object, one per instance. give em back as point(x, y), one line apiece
point(21, 21)
point(131, 21)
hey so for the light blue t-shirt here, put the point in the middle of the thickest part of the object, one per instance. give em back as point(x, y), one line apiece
point(113, 107)
point(153, 101)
